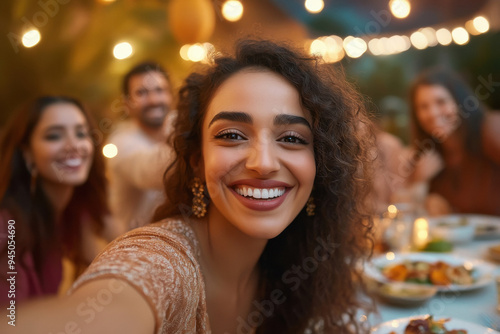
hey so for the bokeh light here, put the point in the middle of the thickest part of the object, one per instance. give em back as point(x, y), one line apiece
point(31, 38)
point(122, 50)
point(443, 36)
point(110, 151)
point(314, 6)
point(400, 8)
point(460, 36)
point(184, 51)
point(481, 24)
point(430, 35)
point(196, 52)
point(232, 10)
point(318, 48)
point(419, 40)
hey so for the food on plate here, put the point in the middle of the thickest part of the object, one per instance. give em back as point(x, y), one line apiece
point(486, 228)
point(438, 245)
point(429, 326)
point(495, 249)
point(436, 273)
point(461, 222)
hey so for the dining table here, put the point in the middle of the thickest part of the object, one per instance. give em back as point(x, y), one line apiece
point(478, 306)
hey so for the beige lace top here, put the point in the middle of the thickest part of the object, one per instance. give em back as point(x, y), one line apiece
point(160, 261)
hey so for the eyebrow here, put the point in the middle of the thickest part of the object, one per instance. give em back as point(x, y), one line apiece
point(285, 119)
point(235, 116)
point(243, 117)
point(62, 127)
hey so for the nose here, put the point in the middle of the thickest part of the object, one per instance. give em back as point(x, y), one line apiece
point(263, 157)
point(75, 144)
point(156, 97)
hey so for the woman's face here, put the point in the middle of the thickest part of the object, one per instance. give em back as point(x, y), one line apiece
point(436, 110)
point(60, 145)
point(258, 156)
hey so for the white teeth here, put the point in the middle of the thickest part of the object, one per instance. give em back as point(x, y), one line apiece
point(258, 193)
point(73, 162)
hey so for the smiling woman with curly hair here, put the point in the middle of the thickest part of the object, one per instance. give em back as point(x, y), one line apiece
point(265, 224)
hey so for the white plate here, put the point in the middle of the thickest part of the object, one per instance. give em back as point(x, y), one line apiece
point(482, 270)
point(487, 227)
point(398, 326)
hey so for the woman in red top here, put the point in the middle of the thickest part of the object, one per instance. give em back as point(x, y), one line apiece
point(452, 126)
point(52, 194)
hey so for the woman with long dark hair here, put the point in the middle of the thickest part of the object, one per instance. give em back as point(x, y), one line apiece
point(265, 222)
point(52, 194)
point(451, 124)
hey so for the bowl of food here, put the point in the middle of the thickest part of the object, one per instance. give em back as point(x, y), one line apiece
point(405, 294)
point(455, 229)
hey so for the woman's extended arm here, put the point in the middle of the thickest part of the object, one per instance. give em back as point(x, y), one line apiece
point(99, 306)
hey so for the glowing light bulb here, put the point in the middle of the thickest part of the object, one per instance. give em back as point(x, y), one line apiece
point(31, 38)
point(354, 46)
point(460, 36)
point(122, 50)
point(318, 48)
point(196, 52)
point(481, 24)
point(419, 40)
point(184, 51)
point(110, 151)
point(400, 8)
point(314, 6)
point(443, 36)
point(232, 10)
point(430, 35)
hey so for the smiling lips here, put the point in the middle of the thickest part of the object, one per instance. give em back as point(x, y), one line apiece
point(260, 195)
point(71, 164)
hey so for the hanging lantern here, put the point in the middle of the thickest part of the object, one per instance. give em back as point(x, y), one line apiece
point(191, 21)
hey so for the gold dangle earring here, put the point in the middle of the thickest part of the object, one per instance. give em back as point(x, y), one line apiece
point(199, 206)
point(310, 206)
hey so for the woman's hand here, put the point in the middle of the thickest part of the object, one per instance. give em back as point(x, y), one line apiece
point(428, 166)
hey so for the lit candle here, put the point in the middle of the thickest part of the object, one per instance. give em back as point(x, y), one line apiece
point(420, 233)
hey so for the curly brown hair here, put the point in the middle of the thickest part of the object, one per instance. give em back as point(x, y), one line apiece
point(312, 264)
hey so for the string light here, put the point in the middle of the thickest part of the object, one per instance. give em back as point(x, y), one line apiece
point(314, 6)
point(196, 52)
point(419, 40)
point(232, 10)
point(430, 35)
point(400, 8)
point(354, 46)
point(184, 51)
point(31, 38)
point(110, 151)
point(481, 24)
point(443, 36)
point(122, 50)
point(460, 36)
point(318, 48)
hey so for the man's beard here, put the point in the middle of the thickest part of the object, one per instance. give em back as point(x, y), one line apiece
point(153, 122)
